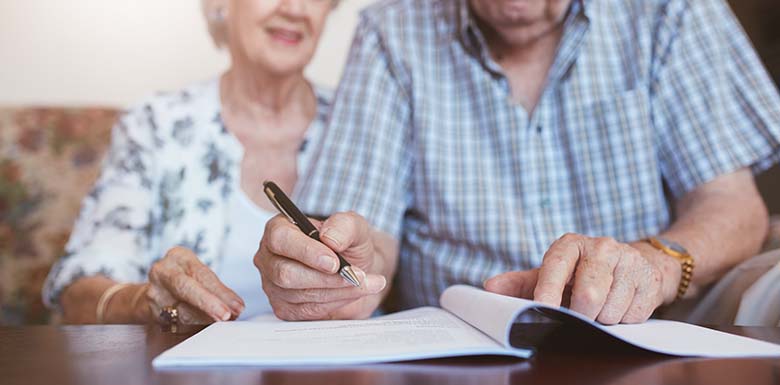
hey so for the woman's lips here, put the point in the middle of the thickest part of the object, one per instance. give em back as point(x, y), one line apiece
point(285, 36)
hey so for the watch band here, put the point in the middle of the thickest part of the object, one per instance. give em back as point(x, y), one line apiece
point(678, 252)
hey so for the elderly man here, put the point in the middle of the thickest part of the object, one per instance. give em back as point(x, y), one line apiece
point(595, 154)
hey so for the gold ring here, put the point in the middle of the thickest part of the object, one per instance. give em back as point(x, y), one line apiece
point(169, 315)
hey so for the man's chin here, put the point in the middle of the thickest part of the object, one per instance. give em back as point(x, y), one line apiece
point(521, 12)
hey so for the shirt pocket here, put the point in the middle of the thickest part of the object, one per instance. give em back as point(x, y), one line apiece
point(614, 169)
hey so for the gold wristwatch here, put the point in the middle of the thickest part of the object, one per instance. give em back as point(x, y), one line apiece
point(675, 250)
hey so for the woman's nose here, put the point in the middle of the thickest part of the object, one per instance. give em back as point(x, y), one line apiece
point(293, 7)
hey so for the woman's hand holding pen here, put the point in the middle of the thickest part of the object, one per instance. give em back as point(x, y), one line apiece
point(300, 275)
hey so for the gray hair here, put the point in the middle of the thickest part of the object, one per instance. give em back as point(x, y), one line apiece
point(215, 20)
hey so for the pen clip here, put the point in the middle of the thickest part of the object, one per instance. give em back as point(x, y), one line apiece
point(272, 198)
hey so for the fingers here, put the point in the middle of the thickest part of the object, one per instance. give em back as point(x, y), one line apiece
point(311, 311)
point(211, 282)
point(594, 276)
point(175, 279)
point(299, 273)
point(192, 292)
point(189, 315)
point(289, 274)
point(282, 238)
point(610, 281)
point(557, 269)
point(373, 284)
point(318, 304)
point(343, 231)
point(518, 284)
point(159, 298)
point(648, 296)
point(620, 296)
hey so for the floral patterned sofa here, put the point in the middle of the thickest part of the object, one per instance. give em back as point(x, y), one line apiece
point(49, 157)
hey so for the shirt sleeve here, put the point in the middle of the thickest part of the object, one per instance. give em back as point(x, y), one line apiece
point(715, 108)
point(364, 160)
point(113, 233)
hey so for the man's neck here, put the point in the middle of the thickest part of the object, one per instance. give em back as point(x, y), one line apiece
point(526, 61)
point(523, 45)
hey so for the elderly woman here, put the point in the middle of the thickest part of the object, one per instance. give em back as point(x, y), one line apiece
point(169, 231)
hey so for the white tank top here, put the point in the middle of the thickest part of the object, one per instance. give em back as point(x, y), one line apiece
point(247, 224)
point(237, 271)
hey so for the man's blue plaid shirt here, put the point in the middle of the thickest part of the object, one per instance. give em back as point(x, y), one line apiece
point(425, 141)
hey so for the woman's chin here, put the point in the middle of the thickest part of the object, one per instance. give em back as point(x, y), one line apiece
point(279, 64)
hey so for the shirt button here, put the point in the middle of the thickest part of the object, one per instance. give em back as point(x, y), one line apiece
point(545, 203)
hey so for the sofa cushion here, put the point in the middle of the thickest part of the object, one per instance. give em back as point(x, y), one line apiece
point(49, 158)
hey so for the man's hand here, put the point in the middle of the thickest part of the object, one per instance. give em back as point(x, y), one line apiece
point(608, 281)
point(300, 275)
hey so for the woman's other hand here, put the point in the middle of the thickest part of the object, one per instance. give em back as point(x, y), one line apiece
point(181, 280)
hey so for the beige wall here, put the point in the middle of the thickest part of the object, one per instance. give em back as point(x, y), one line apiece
point(115, 52)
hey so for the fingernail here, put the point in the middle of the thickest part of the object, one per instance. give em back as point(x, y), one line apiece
point(375, 284)
point(237, 306)
point(226, 316)
point(328, 263)
point(360, 273)
point(334, 235)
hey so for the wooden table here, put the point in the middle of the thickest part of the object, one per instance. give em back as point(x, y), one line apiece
point(121, 354)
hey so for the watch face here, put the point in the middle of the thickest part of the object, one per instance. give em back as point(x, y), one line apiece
point(673, 245)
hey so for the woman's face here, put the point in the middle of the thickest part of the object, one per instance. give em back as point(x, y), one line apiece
point(279, 35)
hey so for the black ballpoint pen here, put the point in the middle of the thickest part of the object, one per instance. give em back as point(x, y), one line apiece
point(294, 215)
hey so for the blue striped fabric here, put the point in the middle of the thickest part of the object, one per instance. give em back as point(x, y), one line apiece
point(425, 141)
